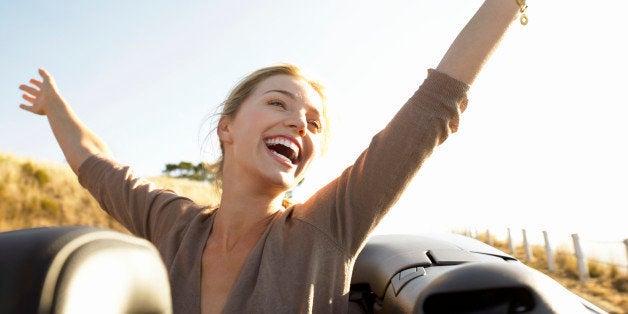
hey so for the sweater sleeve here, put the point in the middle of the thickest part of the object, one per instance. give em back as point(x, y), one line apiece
point(144, 209)
point(349, 207)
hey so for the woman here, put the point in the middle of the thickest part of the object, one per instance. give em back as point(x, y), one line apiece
point(251, 254)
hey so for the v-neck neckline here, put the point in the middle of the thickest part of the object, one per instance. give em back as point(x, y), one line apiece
point(247, 262)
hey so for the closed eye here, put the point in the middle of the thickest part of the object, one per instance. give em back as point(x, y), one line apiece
point(277, 103)
point(315, 126)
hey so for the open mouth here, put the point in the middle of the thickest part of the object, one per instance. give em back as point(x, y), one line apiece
point(284, 149)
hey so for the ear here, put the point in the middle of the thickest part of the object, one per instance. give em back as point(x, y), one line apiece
point(224, 130)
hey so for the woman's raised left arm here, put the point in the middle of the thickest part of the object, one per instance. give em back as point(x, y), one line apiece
point(479, 38)
point(350, 207)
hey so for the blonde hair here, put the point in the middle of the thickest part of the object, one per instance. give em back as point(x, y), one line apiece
point(244, 88)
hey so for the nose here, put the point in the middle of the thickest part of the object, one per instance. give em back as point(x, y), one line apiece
point(298, 122)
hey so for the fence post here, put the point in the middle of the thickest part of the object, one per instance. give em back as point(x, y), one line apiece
point(626, 245)
point(526, 244)
point(511, 244)
point(489, 239)
point(582, 263)
point(550, 254)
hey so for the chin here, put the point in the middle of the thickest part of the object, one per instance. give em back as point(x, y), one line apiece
point(286, 180)
point(283, 182)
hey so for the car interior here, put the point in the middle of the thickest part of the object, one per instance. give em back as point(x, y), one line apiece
point(80, 270)
point(94, 270)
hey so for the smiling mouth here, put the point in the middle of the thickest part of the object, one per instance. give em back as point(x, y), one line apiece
point(284, 149)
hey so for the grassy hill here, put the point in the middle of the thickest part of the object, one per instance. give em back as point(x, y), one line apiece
point(34, 194)
point(606, 288)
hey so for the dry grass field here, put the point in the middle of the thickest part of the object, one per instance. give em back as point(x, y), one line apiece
point(34, 194)
point(606, 288)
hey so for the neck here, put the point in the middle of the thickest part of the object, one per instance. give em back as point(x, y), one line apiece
point(243, 214)
point(239, 211)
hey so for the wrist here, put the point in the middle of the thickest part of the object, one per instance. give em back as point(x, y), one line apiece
point(503, 8)
point(523, 17)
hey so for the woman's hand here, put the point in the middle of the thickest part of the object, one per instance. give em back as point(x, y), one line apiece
point(76, 140)
point(40, 94)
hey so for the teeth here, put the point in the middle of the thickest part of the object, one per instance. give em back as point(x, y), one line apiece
point(285, 142)
point(281, 156)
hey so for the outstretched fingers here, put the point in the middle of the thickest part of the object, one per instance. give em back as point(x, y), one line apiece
point(39, 94)
point(33, 93)
point(29, 98)
point(29, 90)
point(37, 83)
point(44, 74)
point(28, 108)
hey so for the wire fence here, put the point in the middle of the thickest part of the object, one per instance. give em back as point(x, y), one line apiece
point(586, 250)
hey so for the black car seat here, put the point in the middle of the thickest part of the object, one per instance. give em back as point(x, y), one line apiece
point(80, 270)
point(449, 273)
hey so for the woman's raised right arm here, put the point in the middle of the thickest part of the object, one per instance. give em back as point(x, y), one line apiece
point(76, 140)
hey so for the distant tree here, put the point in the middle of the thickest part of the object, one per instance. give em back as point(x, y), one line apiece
point(188, 170)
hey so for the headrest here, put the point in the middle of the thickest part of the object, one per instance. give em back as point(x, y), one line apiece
point(80, 270)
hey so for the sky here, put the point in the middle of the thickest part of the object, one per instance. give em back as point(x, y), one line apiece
point(541, 146)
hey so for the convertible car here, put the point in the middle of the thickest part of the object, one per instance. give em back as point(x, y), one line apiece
point(92, 270)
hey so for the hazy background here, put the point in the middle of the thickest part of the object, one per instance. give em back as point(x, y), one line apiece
point(541, 146)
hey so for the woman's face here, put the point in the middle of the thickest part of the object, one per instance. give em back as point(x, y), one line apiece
point(275, 135)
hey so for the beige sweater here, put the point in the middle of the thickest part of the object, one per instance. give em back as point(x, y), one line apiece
point(303, 261)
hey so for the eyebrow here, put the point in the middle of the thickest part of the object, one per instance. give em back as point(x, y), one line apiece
point(285, 92)
point(292, 96)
